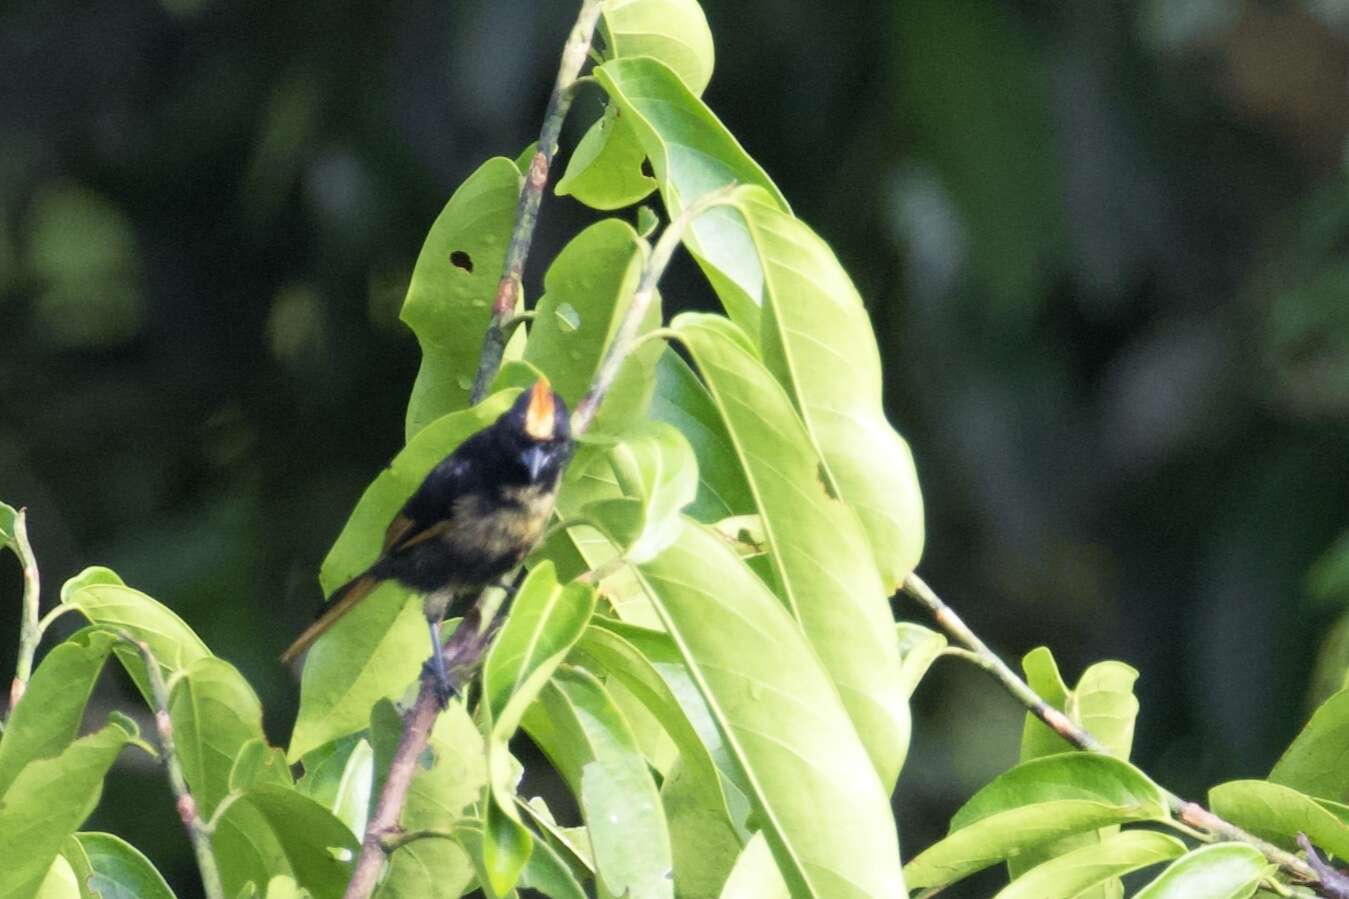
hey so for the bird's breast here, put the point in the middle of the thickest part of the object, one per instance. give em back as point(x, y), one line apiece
point(504, 526)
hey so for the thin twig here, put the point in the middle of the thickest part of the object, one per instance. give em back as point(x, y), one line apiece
point(29, 631)
point(1190, 813)
point(574, 55)
point(641, 299)
point(197, 831)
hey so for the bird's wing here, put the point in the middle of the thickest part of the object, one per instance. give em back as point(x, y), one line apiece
point(429, 511)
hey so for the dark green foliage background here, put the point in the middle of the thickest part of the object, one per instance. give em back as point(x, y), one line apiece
point(1102, 245)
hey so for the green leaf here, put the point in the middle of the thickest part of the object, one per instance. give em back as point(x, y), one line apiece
point(816, 339)
point(581, 730)
point(215, 712)
point(449, 778)
point(692, 153)
point(48, 717)
point(449, 300)
point(118, 870)
point(683, 401)
point(605, 170)
point(545, 870)
point(919, 647)
point(1223, 871)
point(755, 875)
point(1037, 801)
point(258, 763)
point(102, 598)
point(822, 564)
point(60, 882)
point(587, 291)
point(45, 804)
point(1094, 866)
point(8, 515)
point(1278, 814)
point(377, 649)
point(823, 810)
point(1314, 763)
point(506, 848)
point(269, 830)
point(656, 471)
point(672, 31)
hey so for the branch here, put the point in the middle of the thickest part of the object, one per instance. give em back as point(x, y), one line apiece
point(1190, 813)
point(29, 631)
point(574, 55)
point(197, 831)
point(1334, 882)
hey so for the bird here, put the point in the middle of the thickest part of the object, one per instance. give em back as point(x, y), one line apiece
point(472, 520)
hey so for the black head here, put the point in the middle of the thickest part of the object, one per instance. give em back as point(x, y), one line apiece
point(537, 432)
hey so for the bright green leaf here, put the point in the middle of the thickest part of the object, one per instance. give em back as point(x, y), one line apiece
point(1036, 802)
point(506, 848)
point(48, 717)
point(118, 870)
point(1222, 871)
point(579, 727)
point(215, 712)
point(1093, 866)
point(823, 810)
point(270, 830)
point(59, 882)
point(692, 154)
point(672, 31)
point(1314, 763)
point(755, 875)
point(605, 170)
point(449, 300)
point(654, 467)
point(918, 649)
point(258, 763)
point(545, 871)
point(45, 804)
point(823, 567)
point(1278, 814)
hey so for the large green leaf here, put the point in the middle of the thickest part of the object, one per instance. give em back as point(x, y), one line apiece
point(683, 401)
point(1103, 702)
point(376, 650)
point(112, 868)
point(1278, 814)
point(692, 153)
point(1314, 763)
point(755, 875)
point(587, 291)
point(215, 712)
point(605, 169)
point(1095, 866)
point(822, 564)
point(1224, 871)
point(1036, 802)
point(449, 300)
point(822, 807)
point(816, 339)
point(270, 830)
point(45, 804)
point(48, 717)
point(583, 733)
point(448, 780)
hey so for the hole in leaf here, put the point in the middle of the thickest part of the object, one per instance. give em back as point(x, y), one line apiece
point(647, 170)
point(460, 259)
point(568, 319)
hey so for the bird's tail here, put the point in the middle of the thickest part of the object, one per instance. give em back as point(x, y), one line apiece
point(342, 602)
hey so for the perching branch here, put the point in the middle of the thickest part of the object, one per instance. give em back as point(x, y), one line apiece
point(29, 631)
point(574, 55)
point(1190, 813)
point(197, 831)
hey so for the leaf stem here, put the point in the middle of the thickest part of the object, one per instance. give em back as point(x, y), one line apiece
point(197, 830)
point(30, 633)
point(1189, 813)
point(574, 55)
point(395, 841)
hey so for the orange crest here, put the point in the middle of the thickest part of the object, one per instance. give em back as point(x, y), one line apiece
point(539, 416)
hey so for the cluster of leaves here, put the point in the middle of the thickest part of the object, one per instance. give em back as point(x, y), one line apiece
point(729, 706)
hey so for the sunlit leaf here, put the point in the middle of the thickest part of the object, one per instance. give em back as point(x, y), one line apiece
point(605, 170)
point(755, 875)
point(1278, 814)
point(60, 882)
point(823, 567)
point(657, 474)
point(1222, 871)
point(1037, 801)
point(118, 870)
point(215, 712)
point(507, 847)
point(259, 763)
point(1094, 866)
point(1314, 763)
point(270, 830)
point(918, 649)
point(579, 727)
point(823, 810)
point(449, 300)
point(545, 870)
point(47, 802)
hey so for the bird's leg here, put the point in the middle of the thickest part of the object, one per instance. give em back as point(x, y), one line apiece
point(445, 689)
point(511, 586)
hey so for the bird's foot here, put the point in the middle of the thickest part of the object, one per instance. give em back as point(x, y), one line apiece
point(445, 689)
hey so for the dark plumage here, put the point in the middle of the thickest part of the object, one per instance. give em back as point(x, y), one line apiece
point(474, 517)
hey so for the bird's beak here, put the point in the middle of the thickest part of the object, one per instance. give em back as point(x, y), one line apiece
point(535, 458)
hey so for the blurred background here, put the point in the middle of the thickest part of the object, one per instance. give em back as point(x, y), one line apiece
point(1105, 246)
